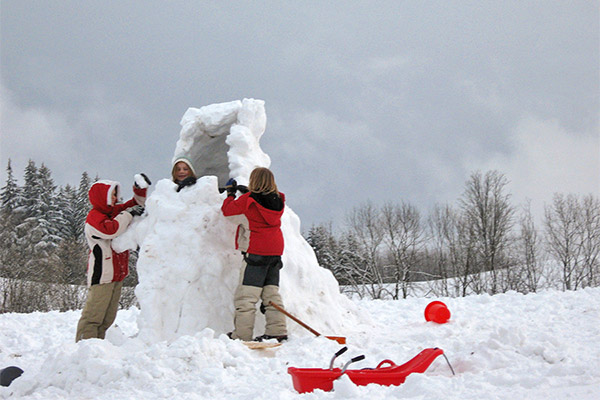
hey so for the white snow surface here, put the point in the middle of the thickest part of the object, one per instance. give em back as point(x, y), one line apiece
point(508, 346)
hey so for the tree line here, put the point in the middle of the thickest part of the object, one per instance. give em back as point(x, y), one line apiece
point(482, 244)
point(43, 254)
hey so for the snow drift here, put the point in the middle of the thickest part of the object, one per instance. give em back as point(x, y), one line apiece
point(508, 346)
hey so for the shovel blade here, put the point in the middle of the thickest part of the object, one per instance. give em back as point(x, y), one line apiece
point(339, 339)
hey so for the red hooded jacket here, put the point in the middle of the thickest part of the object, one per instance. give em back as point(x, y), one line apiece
point(266, 238)
point(103, 223)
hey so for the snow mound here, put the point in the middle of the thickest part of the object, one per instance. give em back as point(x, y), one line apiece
point(188, 268)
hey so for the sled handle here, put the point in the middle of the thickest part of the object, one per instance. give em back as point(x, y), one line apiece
point(448, 361)
point(390, 362)
point(355, 359)
point(336, 355)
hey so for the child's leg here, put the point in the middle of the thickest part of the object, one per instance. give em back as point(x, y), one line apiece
point(246, 296)
point(94, 311)
point(111, 311)
point(275, 320)
point(245, 301)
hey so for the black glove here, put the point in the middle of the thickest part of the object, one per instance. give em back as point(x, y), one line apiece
point(242, 188)
point(189, 181)
point(144, 179)
point(135, 210)
point(231, 187)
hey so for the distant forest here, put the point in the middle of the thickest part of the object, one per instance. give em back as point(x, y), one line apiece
point(483, 244)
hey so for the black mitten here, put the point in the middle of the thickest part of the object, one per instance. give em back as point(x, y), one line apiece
point(135, 210)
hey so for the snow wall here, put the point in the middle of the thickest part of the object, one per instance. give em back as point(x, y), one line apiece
point(188, 267)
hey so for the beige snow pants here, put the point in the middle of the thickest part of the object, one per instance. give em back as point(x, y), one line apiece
point(247, 295)
point(100, 310)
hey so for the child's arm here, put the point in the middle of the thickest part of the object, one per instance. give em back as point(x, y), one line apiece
point(231, 206)
point(105, 227)
point(139, 198)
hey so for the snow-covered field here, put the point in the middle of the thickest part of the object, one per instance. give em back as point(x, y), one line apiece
point(513, 346)
point(508, 346)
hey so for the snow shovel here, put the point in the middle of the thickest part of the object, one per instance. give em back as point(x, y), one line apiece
point(339, 339)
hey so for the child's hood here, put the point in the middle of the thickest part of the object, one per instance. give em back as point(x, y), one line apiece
point(100, 195)
point(269, 208)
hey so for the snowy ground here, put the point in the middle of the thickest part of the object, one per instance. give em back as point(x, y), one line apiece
point(508, 346)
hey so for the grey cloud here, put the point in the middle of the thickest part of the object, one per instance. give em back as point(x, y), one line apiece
point(362, 96)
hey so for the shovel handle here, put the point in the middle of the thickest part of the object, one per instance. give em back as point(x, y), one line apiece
point(295, 319)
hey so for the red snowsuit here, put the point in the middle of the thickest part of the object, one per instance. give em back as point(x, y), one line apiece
point(104, 223)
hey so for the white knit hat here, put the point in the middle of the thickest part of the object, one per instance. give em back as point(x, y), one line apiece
point(185, 160)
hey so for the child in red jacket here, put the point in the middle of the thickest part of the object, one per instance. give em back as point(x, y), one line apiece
point(106, 268)
point(259, 279)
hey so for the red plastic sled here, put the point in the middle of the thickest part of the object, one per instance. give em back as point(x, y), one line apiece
point(308, 379)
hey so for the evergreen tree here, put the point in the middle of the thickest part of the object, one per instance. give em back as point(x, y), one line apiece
point(10, 196)
point(49, 217)
point(71, 251)
point(31, 191)
point(323, 244)
point(68, 228)
point(35, 235)
point(351, 267)
point(9, 219)
point(82, 204)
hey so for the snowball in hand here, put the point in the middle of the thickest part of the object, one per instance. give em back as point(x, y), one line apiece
point(140, 181)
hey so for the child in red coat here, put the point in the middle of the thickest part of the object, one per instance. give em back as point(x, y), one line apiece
point(106, 268)
point(263, 206)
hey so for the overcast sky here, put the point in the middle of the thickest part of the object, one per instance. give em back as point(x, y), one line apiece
point(365, 100)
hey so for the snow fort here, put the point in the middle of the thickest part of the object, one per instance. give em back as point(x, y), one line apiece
point(188, 267)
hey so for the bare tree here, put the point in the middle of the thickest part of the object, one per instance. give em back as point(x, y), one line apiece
point(455, 249)
point(364, 223)
point(590, 224)
point(561, 236)
point(439, 255)
point(404, 238)
point(528, 247)
point(489, 216)
point(573, 238)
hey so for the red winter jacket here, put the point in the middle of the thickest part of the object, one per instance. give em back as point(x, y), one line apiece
point(104, 223)
point(266, 238)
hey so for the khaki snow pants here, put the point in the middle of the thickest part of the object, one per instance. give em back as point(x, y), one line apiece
point(100, 310)
point(250, 291)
